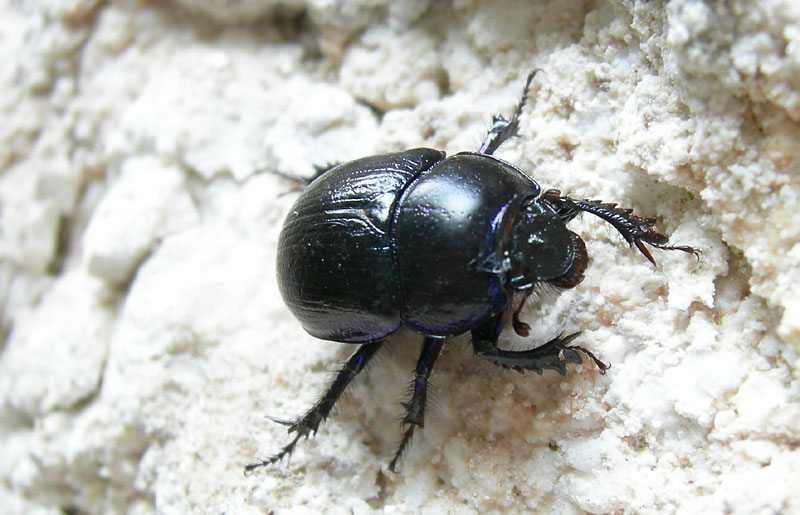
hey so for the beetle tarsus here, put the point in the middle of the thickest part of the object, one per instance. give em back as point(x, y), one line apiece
point(280, 421)
point(309, 423)
point(600, 365)
point(502, 129)
point(286, 451)
point(409, 433)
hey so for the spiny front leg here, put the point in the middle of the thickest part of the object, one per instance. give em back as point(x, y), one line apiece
point(636, 230)
point(503, 129)
point(309, 423)
point(416, 407)
point(553, 355)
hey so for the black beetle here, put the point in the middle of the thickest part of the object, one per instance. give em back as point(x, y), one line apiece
point(440, 245)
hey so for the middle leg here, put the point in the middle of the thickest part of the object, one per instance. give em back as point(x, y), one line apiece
point(503, 129)
point(416, 407)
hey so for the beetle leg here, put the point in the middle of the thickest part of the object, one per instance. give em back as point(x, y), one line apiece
point(503, 129)
point(300, 181)
point(309, 423)
point(553, 355)
point(636, 230)
point(520, 327)
point(416, 408)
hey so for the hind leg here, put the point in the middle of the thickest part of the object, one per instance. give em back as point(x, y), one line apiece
point(309, 423)
point(301, 181)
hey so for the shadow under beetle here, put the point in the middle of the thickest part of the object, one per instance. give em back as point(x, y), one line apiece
point(442, 245)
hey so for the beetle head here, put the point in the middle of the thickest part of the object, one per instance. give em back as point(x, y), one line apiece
point(540, 248)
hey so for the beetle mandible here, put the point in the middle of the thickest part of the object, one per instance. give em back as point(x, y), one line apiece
point(441, 245)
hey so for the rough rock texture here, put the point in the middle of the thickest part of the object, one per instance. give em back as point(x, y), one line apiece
point(143, 337)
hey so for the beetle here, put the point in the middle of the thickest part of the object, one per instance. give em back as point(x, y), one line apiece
point(441, 245)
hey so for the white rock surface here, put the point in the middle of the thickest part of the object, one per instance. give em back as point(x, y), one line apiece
point(145, 204)
point(144, 338)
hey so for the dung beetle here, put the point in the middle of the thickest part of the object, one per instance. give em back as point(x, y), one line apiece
point(441, 245)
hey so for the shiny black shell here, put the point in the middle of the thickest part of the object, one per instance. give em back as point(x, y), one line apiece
point(409, 238)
